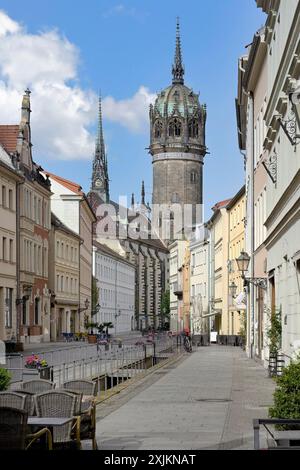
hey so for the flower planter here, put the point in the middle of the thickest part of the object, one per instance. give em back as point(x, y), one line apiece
point(45, 373)
point(92, 339)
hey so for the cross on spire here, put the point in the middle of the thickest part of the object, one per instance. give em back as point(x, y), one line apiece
point(178, 68)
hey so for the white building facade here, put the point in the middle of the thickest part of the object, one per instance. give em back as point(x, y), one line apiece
point(199, 284)
point(283, 192)
point(115, 278)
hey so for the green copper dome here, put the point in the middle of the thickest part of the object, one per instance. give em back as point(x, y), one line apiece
point(177, 99)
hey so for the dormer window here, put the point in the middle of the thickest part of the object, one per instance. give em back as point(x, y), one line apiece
point(175, 128)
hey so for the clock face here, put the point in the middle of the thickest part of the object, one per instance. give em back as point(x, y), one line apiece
point(98, 183)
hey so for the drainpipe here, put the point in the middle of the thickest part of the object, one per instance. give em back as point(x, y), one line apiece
point(252, 289)
point(18, 306)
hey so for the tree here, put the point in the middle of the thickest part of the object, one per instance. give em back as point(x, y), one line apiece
point(274, 333)
point(107, 326)
point(95, 295)
point(165, 308)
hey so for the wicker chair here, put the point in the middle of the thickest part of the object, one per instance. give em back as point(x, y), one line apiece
point(78, 400)
point(12, 400)
point(87, 387)
point(60, 404)
point(38, 386)
point(29, 401)
point(13, 430)
point(88, 410)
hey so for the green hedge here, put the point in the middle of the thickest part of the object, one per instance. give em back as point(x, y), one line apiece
point(5, 378)
point(287, 394)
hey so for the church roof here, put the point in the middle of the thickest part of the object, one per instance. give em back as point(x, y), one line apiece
point(179, 98)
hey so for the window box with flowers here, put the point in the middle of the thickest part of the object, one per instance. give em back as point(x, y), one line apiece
point(39, 365)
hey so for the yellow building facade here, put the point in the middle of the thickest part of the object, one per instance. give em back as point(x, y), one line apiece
point(233, 323)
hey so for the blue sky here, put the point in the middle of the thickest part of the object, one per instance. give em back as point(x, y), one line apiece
point(121, 46)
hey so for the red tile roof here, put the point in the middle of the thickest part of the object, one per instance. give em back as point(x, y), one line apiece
point(221, 204)
point(74, 187)
point(8, 137)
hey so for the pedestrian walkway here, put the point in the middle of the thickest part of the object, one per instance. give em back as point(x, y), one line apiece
point(208, 401)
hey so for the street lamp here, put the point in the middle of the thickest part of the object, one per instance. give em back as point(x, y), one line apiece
point(86, 306)
point(232, 289)
point(116, 317)
point(295, 100)
point(243, 262)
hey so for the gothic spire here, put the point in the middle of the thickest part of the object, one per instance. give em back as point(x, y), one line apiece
point(143, 193)
point(178, 69)
point(100, 180)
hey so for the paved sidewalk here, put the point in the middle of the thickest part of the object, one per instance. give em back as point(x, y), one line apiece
point(208, 401)
point(36, 348)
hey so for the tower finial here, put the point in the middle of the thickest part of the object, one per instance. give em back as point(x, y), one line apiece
point(178, 69)
point(132, 201)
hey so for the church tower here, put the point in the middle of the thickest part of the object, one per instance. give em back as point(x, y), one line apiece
point(100, 180)
point(177, 141)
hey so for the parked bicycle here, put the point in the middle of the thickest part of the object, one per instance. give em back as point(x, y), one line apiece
point(187, 343)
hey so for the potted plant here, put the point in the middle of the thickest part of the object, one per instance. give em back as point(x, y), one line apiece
point(5, 378)
point(90, 327)
point(40, 365)
point(287, 396)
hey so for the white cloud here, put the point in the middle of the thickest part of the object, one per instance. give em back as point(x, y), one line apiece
point(7, 25)
point(62, 112)
point(132, 113)
point(121, 10)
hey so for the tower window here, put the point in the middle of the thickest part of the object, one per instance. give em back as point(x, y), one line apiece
point(158, 129)
point(175, 128)
point(193, 128)
point(194, 177)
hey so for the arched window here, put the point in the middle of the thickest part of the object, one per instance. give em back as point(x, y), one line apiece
point(175, 128)
point(193, 128)
point(194, 177)
point(158, 129)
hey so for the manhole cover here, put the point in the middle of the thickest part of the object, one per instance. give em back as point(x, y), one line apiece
point(214, 400)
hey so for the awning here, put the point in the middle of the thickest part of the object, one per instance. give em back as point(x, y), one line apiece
point(240, 302)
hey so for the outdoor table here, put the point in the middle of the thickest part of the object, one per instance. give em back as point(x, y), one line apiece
point(284, 438)
point(48, 422)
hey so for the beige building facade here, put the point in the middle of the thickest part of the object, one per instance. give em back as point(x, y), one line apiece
point(70, 205)
point(33, 226)
point(64, 275)
point(9, 180)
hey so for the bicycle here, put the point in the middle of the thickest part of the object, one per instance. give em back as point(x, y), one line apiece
point(187, 344)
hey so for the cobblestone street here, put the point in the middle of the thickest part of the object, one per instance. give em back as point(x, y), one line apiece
point(207, 401)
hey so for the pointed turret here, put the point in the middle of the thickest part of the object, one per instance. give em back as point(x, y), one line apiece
point(25, 117)
point(178, 68)
point(100, 180)
point(143, 194)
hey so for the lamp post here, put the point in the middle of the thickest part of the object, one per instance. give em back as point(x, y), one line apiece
point(117, 314)
point(243, 262)
point(295, 100)
point(233, 289)
point(21, 301)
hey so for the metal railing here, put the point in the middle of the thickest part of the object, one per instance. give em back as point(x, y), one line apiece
point(107, 367)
